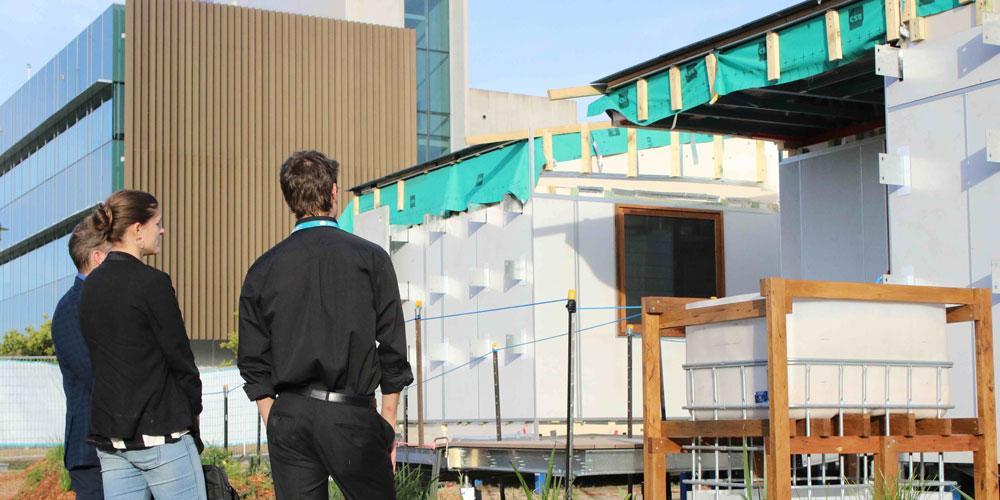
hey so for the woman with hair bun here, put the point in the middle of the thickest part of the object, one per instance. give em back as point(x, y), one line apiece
point(147, 391)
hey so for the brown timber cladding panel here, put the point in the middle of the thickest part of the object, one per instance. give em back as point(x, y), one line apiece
point(218, 96)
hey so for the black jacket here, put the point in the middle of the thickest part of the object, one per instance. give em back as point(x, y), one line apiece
point(74, 363)
point(145, 379)
point(322, 309)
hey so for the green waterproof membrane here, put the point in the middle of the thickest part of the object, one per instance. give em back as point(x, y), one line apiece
point(744, 66)
point(488, 177)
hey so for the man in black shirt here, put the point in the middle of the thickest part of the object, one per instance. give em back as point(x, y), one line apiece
point(321, 327)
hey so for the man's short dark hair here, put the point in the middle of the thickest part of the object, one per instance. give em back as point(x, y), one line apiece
point(84, 240)
point(307, 178)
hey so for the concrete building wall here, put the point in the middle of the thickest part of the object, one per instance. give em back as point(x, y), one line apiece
point(381, 12)
point(214, 105)
point(943, 225)
point(491, 112)
point(833, 223)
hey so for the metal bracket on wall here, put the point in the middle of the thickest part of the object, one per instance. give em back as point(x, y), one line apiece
point(894, 170)
point(991, 28)
point(993, 145)
point(995, 275)
point(888, 61)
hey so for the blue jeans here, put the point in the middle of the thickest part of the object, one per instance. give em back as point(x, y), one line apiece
point(169, 471)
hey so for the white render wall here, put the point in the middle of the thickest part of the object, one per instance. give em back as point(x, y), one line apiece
point(945, 230)
point(565, 242)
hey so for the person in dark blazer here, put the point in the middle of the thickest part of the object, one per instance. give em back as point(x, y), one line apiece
point(87, 248)
point(147, 390)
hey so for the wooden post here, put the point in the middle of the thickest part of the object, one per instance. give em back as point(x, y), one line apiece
point(420, 374)
point(761, 160)
point(892, 21)
point(711, 67)
point(642, 100)
point(773, 44)
point(984, 461)
point(718, 150)
point(586, 164)
point(654, 465)
point(886, 467)
point(400, 195)
point(676, 94)
point(550, 161)
point(834, 44)
point(778, 443)
point(675, 154)
point(633, 154)
point(377, 197)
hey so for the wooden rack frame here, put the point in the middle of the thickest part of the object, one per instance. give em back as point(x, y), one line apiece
point(668, 317)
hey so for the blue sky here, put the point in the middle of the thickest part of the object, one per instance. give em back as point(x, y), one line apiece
point(525, 46)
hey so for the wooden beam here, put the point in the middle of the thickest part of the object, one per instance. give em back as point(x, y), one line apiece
point(984, 461)
point(661, 446)
point(718, 151)
point(892, 21)
point(715, 314)
point(773, 44)
point(676, 93)
point(586, 164)
point(777, 459)
point(965, 426)
point(760, 160)
point(712, 67)
point(357, 205)
point(550, 161)
point(676, 169)
point(934, 427)
point(400, 195)
point(834, 44)
point(857, 424)
point(900, 424)
point(960, 314)
point(846, 445)
point(818, 427)
point(713, 428)
point(642, 99)
point(574, 92)
point(524, 134)
point(877, 292)
point(633, 154)
point(377, 197)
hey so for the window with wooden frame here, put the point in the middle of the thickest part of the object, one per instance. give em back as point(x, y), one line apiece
point(666, 252)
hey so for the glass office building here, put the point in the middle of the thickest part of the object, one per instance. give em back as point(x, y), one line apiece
point(60, 153)
point(429, 18)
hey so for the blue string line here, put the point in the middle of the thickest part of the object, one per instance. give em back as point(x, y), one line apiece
point(599, 308)
point(478, 311)
point(484, 356)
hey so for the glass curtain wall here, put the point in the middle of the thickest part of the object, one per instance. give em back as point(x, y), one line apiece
point(429, 18)
point(60, 153)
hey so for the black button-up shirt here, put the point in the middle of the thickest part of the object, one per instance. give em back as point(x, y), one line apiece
point(322, 309)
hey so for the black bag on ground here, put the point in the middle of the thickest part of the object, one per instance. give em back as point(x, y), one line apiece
point(217, 484)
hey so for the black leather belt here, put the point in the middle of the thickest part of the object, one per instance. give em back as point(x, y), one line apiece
point(336, 397)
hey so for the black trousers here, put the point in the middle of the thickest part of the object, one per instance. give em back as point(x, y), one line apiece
point(310, 440)
point(86, 482)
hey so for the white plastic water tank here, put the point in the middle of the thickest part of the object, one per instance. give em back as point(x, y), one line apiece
point(842, 354)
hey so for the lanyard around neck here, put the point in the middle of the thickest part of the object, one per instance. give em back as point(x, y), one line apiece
point(315, 223)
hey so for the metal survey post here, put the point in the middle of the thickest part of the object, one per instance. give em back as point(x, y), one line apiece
point(496, 387)
point(570, 311)
point(420, 374)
